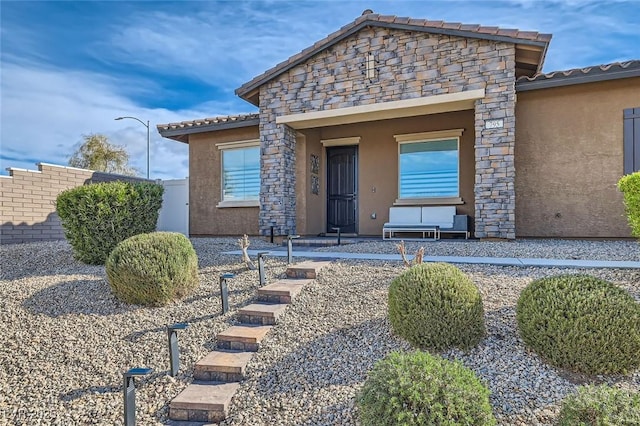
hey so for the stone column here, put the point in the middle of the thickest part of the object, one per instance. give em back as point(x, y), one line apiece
point(495, 170)
point(278, 178)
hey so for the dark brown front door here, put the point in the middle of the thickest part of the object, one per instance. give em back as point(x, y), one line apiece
point(342, 184)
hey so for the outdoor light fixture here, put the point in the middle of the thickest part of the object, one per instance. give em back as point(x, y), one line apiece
point(290, 247)
point(174, 351)
point(224, 292)
point(337, 228)
point(129, 390)
point(263, 278)
point(148, 137)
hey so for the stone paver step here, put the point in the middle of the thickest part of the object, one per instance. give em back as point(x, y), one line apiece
point(242, 337)
point(222, 366)
point(283, 291)
point(261, 313)
point(203, 402)
point(308, 269)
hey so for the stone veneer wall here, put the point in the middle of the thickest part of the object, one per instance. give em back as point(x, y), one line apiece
point(28, 200)
point(408, 65)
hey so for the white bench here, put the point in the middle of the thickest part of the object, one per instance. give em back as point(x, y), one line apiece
point(431, 220)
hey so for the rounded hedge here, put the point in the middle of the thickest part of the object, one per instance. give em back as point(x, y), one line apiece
point(581, 323)
point(97, 217)
point(422, 389)
point(153, 269)
point(600, 405)
point(436, 306)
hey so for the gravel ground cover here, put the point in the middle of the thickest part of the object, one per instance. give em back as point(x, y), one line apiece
point(66, 340)
point(536, 248)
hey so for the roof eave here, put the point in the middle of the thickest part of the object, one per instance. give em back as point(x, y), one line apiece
point(526, 85)
point(180, 134)
point(244, 90)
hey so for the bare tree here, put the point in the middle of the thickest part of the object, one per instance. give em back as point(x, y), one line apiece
point(97, 153)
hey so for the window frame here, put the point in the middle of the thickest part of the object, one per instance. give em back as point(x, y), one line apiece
point(422, 137)
point(232, 146)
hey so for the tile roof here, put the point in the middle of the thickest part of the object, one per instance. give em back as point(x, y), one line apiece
point(175, 130)
point(409, 24)
point(591, 74)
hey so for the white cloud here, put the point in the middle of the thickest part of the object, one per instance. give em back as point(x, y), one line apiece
point(46, 112)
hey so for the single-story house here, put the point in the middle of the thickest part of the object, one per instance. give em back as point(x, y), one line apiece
point(390, 111)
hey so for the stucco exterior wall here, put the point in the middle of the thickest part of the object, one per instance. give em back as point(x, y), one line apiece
point(378, 167)
point(569, 156)
point(205, 192)
point(409, 65)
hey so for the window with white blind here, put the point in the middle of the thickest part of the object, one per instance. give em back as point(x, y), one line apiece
point(240, 173)
point(429, 166)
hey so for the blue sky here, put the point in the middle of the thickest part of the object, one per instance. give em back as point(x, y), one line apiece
point(68, 68)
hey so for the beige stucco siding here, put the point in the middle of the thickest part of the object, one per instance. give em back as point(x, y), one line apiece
point(569, 156)
point(378, 167)
point(205, 187)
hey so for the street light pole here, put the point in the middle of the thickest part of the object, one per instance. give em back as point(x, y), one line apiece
point(148, 138)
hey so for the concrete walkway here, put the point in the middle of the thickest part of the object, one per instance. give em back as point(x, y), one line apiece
point(501, 261)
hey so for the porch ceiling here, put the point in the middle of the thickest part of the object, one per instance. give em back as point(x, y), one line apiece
point(384, 110)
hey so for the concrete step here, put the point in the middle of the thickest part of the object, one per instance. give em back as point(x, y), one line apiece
point(283, 291)
point(308, 270)
point(261, 313)
point(203, 402)
point(242, 337)
point(222, 366)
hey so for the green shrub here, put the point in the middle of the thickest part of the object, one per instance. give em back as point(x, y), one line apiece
point(600, 406)
point(630, 187)
point(97, 217)
point(153, 269)
point(436, 306)
point(581, 323)
point(422, 389)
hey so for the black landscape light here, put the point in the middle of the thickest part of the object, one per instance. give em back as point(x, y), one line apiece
point(338, 230)
point(174, 350)
point(224, 291)
point(290, 238)
point(263, 278)
point(129, 390)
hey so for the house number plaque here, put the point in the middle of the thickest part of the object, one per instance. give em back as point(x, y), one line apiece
point(494, 124)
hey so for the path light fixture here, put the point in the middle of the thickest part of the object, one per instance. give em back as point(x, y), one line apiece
point(337, 229)
point(174, 350)
point(290, 239)
point(261, 275)
point(224, 291)
point(129, 391)
point(148, 137)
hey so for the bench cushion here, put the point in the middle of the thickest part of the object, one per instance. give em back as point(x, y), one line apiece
point(441, 216)
point(405, 215)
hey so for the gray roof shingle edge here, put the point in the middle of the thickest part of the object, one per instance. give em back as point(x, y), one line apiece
point(613, 71)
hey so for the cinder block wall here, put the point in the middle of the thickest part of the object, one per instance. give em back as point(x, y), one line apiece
point(28, 198)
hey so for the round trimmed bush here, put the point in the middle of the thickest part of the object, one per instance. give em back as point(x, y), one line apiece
point(422, 389)
point(600, 405)
point(581, 323)
point(436, 306)
point(153, 269)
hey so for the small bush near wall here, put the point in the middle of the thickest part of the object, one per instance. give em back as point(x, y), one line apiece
point(630, 187)
point(436, 306)
point(581, 323)
point(600, 405)
point(97, 217)
point(422, 389)
point(153, 269)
